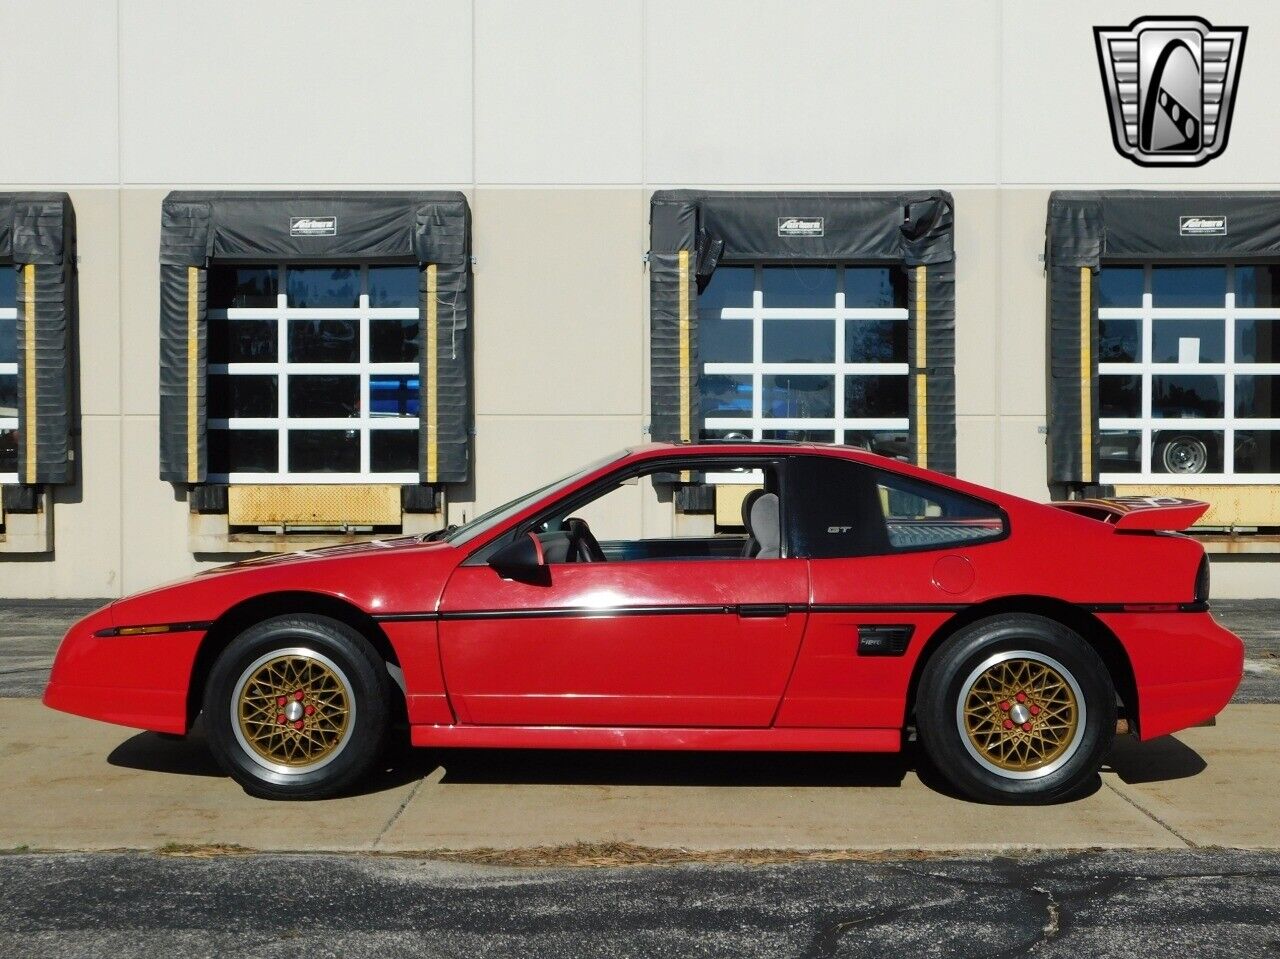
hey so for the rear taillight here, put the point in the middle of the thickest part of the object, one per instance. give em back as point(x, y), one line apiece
point(1202, 581)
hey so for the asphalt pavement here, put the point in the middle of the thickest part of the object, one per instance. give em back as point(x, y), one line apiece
point(1199, 903)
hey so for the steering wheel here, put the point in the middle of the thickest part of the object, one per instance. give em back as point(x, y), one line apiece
point(583, 546)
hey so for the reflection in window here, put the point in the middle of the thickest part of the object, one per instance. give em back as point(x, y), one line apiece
point(395, 286)
point(315, 397)
point(242, 397)
point(1184, 286)
point(243, 451)
point(324, 341)
point(9, 451)
point(243, 341)
point(243, 287)
point(324, 451)
point(8, 395)
point(822, 347)
point(1198, 425)
point(1120, 286)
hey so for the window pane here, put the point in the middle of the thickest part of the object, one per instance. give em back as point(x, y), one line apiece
point(875, 341)
point(1119, 341)
point(1186, 453)
point(1188, 341)
point(394, 341)
point(721, 340)
point(875, 397)
point(324, 341)
point(799, 396)
point(724, 395)
point(1257, 397)
point(872, 287)
point(8, 286)
point(1181, 396)
point(391, 395)
point(739, 434)
point(236, 287)
point(323, 286)
point(8, 395)
point(1189, 286)
point(923, 516)
point(1120, 397)
point(1258, 451)
point(1120, 451)
point(1120, 286)
point(242, 341)
point(892, 443)
point(799, 341)
point(395, 286)
point(393, 451)
point(8, 451)
point(800, 436)
point(803, 286)
point(1258, 285)
point(242, 396)
point(832, 509)
point(324, 395)
point(324, 451)
point(243, 451)
point(8, 339)
point(1257, 341)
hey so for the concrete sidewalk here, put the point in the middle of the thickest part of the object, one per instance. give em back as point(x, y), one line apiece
point(71, 783)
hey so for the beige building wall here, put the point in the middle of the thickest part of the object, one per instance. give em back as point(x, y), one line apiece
point(558, 119)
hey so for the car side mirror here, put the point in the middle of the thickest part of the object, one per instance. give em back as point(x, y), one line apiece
point(523, 560)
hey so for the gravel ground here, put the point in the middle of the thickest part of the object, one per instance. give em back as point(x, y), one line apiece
point(30, 631)
point(1194, 903)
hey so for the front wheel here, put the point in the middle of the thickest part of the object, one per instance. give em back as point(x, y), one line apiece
point(296, 707)
point(1016, 709)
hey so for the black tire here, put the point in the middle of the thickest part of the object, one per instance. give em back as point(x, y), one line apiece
point(1182, 454)
point(330, 652)
point(969, 762)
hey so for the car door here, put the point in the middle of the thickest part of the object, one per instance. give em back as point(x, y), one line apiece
point(891, 559)
point(683, 642)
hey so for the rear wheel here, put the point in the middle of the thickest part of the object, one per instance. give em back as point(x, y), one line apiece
point(1016, 709)
point(296, 707)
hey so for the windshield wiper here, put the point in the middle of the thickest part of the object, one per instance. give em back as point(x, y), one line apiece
point(439, 534)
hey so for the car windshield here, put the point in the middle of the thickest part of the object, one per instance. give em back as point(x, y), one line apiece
point(487, 521)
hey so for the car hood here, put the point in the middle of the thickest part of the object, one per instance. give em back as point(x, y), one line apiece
point(375, 546)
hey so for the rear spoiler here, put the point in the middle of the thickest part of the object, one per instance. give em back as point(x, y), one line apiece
point(1130, 513)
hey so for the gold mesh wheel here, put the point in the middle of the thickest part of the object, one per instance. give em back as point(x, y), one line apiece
point(1022, 714)
point(293, 710)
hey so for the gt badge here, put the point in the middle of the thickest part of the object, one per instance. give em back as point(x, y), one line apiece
point(1170, 84)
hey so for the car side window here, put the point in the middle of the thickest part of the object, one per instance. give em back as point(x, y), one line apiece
point(839, 508)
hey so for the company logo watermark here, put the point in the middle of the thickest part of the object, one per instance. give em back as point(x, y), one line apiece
point(1202, 225)
point(801, 226)
point(313, 226)
point(1170, 84)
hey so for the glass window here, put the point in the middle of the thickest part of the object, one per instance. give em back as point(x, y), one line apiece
point(1187, 341)
point(395, 286)
point(313, 286)
point(1120, 286)
point(8, 373)
point(1258, 451)
point(242, 287)
point(1189, 383)
point(1184, 286)
point(291, 371)
point(821, 347)
point(838, 508)
point(1257, 286)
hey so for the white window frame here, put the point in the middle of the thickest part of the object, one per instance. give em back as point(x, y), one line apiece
point(1148, 424)
point(8, 369)
point(281, 423)
point(758, 369)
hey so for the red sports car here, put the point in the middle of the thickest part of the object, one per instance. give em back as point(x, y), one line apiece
point(855, 599)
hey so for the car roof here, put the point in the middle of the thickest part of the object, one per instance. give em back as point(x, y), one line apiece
point(751, 448)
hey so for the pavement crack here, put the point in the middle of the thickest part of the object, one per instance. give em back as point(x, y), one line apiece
point(399, 811)
point(1053, 917)
point(1152, 816)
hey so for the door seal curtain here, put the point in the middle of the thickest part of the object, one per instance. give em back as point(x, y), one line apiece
point(432, 229)
point(1083, 229)
point(38, 242)
point(692, 232)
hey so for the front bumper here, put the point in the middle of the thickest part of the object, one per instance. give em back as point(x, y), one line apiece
point(138, 681)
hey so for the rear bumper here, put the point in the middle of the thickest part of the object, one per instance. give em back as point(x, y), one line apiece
point(1185, 666)
point(139, 681)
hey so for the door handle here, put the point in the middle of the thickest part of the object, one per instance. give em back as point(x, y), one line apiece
point(762, 610)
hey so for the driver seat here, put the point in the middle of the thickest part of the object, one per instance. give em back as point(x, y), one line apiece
point(583, 545)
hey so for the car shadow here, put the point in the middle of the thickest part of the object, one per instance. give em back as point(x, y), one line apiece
point(1134, 762)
